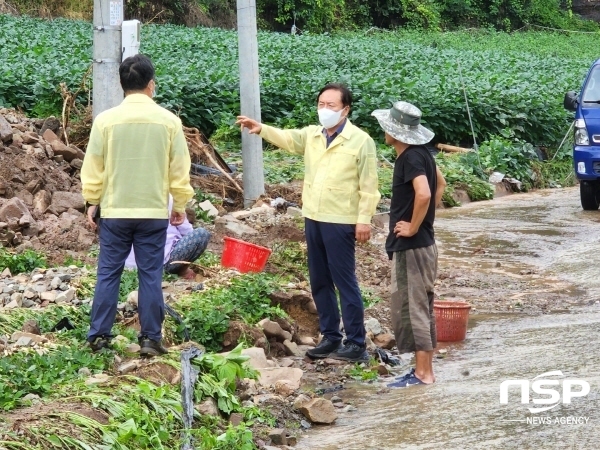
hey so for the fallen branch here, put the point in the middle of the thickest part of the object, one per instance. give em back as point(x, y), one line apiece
point(194, 140)
point(453, 149)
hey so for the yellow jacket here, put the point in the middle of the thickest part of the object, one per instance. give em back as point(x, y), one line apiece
point(136, 156)
point(340, 182)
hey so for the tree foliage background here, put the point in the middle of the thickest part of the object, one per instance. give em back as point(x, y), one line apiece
point(328, 15)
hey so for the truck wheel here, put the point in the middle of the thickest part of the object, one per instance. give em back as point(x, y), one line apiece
point(589, 195)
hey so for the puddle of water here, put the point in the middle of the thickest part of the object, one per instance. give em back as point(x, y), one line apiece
point(462, 410)
point(547, 230)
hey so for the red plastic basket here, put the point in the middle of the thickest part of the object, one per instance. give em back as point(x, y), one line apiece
point(451, 320)
point(244, 256)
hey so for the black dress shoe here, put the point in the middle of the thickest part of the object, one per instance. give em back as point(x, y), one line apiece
point(324, 348)
point(351, 352)
point(150, 347)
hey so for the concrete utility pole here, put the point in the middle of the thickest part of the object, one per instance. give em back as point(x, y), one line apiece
point(108, 18)
point(252, 158)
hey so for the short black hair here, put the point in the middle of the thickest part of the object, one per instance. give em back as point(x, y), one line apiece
point(135, 73)
point(346, 94)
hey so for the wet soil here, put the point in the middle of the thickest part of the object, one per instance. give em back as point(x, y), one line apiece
point(528, 265)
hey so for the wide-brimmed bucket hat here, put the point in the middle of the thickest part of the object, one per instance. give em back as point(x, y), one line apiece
point(403, 123)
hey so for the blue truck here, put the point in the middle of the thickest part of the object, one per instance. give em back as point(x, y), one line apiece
point(586, 148)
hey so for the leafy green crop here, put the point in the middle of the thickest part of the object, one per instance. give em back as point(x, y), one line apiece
point(22, 262)
point(512, 81)
point(207, 313)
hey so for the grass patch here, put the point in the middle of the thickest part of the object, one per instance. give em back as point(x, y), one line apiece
point(207, 313)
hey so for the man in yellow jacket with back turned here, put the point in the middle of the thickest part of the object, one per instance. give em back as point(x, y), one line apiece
point(136, 156)
point(339, 198)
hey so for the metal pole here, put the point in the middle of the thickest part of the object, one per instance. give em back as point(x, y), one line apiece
point(252, 158)
point(108, 18)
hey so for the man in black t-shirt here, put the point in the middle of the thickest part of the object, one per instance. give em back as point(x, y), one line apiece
point(411, 243)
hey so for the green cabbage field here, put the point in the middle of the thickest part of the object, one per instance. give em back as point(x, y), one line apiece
point(514, 81)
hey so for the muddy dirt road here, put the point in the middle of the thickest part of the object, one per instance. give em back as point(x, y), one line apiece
point(535, 256)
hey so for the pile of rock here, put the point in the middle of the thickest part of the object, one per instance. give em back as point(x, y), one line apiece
point(40, 190)
point(41, 288)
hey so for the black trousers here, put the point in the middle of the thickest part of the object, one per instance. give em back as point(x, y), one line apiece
point(331, 265)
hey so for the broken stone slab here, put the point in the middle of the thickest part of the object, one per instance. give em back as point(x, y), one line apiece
point(66, 296)
point(319, 410)
point(132, 298)
point(236, 418)
point(25, 196)
point(258, 359)
point(12, 305)
point(278, 436)
point(373, 326)
point(30, 293)
point(294, 212)
point(24, 341)
point(62, 201)
point(208, 407)
point(285, 388)
point(128, 367)
point(291, 349)
point(268, 376)
point(32, 327)
point(77, 164)
point(60, 149)
point(50, 135)
point(15, 209)
point(229, 225)
point(6, 131)
point(301, 400)
point(207, 206)
point(98, 379)
point(29, 137)
point(17, 297)
point(241, 215)
point(55, 283)
point(286, 362)
point(27, 303)
point(273, 330)
point(34, 337)
point(6, 273)
point(52, 124)
point(268, 400)
point(385, 340)
point(41, 201)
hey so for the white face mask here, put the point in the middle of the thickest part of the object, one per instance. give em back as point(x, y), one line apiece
point(329, 118)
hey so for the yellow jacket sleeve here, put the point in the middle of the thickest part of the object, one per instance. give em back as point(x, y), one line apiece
point(92, 170)
point(179, 171)
point(293, 141)
point(368, 184)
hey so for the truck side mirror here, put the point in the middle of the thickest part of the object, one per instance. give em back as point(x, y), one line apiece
point(571, 101)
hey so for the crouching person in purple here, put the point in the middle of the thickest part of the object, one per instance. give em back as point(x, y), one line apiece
point(184, 245)
point(417, 186)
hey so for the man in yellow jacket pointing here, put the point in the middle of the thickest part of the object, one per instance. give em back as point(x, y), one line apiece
point(338, 201)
